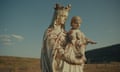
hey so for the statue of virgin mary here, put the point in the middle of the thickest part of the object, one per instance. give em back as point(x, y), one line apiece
point(54, 41)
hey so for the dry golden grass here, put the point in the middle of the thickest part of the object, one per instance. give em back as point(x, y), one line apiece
point(18, 64)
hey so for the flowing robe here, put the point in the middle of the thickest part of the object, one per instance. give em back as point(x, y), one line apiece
point(53, 43)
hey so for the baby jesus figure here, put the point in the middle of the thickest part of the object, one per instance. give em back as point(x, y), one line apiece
point(76, 45)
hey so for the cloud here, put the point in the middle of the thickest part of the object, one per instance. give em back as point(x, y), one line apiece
point(4, 36)
point(18, 37)
point(7, 43)
point(5, 40)
point(8, 40)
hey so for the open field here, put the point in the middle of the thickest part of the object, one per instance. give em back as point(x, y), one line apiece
point(17, 64)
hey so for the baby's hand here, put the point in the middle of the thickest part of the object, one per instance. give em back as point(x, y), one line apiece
point(92, 42)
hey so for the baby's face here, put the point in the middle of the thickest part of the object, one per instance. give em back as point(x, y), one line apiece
point(77, 20)
point(76, 23)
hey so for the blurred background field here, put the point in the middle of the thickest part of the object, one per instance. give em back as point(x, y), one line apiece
point(17, 64)
point(99, 60)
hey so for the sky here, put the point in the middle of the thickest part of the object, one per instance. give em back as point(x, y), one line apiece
point(23, 22)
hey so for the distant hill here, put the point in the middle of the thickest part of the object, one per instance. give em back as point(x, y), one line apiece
point(104, 55)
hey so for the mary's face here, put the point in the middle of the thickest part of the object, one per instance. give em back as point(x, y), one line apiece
point(62, 16)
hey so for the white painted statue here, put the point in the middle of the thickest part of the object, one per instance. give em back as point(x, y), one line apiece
point(54, 41)
point(62, 51)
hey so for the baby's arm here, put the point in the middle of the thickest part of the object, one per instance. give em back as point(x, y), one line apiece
point(90, 41)
point(84, 39)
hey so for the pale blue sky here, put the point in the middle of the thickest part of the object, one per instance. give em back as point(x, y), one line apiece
point(23, 22)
